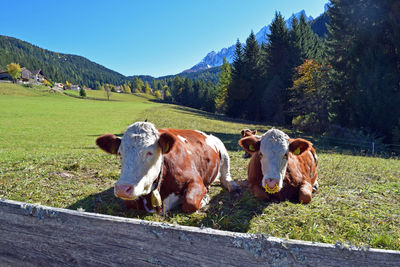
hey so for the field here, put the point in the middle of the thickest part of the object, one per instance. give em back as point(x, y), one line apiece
point(48, 156)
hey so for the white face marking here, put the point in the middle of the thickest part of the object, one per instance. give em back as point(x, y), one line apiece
point(188, 151)
point(274, 148)
point(183, 139)
point(141, 158)
point(171, 202)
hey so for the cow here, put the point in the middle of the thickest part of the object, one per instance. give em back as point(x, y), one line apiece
point(245, 133)
point(162, 169)
point(281, 168)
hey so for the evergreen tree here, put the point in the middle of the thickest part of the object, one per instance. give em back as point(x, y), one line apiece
point(279, 68)
point(252, 76)
point(363, 50)
point(223, 85)
point(137, 85)
point(237, 90)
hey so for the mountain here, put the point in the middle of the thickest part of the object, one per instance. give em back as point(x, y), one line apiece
point(214, 59)
point(318, 25)
point(57, 67)
point(211, 74)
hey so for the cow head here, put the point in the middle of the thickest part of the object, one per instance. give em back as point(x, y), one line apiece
point(248, 132)
point(140, 150)
point(273, 150)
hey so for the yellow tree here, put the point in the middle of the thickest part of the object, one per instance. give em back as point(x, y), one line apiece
point(157, 94)
point(147, 88)
point(14, 70)
point(309, 97)
point(67, 85)
point(127, 89)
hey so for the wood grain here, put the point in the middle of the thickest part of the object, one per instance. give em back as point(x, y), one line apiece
point(32, 235)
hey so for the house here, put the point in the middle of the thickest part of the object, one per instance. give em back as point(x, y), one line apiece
point(26, 75)
point(75, 87)
point(59, 86)
point(38, 76)
point(5, 76)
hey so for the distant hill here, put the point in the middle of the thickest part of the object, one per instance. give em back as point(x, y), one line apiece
point(211, 75)
point(57, 67)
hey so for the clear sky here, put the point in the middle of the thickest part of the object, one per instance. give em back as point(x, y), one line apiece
point(153, 37)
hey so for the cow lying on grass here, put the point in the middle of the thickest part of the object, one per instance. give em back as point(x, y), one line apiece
point(164, 168)
point(245, 133)
point(281, 168)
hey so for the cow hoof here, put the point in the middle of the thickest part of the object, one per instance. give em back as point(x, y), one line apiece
point(315, 187)
point(205, 201)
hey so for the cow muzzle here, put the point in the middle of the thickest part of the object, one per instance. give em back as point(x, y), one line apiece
point(124, 191)
point(271, 185)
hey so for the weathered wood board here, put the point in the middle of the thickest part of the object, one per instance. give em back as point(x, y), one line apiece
point(32, 235)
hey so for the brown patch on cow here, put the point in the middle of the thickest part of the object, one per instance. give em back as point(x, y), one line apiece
point(250, 144)
point(166, 142)
point(109, 143)
point(184, 174)
point(301, 175)
point(246, 133)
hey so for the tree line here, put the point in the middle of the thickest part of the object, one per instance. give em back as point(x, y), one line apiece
point(349, 79)
point(345, 79)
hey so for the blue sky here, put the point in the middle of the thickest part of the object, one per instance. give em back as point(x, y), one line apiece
point(153, 37)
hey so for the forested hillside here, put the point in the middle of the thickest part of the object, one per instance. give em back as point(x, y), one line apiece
point(57, 67)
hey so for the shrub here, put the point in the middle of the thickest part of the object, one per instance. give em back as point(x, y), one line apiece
point(82, 92)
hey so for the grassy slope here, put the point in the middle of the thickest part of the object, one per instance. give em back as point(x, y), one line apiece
point(48, 156)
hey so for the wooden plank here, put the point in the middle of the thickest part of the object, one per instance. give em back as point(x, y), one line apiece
point(39, 235)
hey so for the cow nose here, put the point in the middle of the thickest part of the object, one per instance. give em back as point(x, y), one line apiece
point(271, 182)
point(123, 190)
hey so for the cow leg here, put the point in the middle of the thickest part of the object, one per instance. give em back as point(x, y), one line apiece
point(194, 195)
point(225, 175)
point(305, 194)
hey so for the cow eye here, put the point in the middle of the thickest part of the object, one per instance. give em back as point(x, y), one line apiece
point(149, 154)
point(285, 156)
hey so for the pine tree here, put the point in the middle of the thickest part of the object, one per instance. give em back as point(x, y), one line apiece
point(138, 85)
point(253, 75)
point(363, 50)
point(278, 67)
point(223, 85)
point(237, 90)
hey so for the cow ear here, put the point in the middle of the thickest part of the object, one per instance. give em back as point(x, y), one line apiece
point(109, 143)
point(166, 142)
point(254, 132)
point(242, 133)
point(250, 143)
point(298, 146)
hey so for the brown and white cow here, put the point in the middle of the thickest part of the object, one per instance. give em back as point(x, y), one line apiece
point(164, 168)
point(281, 168)
point(245, 133)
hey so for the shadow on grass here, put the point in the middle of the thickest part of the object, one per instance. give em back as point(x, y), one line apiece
point(106, 203)
point(224, 212)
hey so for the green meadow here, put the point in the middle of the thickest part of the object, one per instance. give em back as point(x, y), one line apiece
point(48, 156)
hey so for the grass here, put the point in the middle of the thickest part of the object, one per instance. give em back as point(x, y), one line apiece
point(48, 156)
